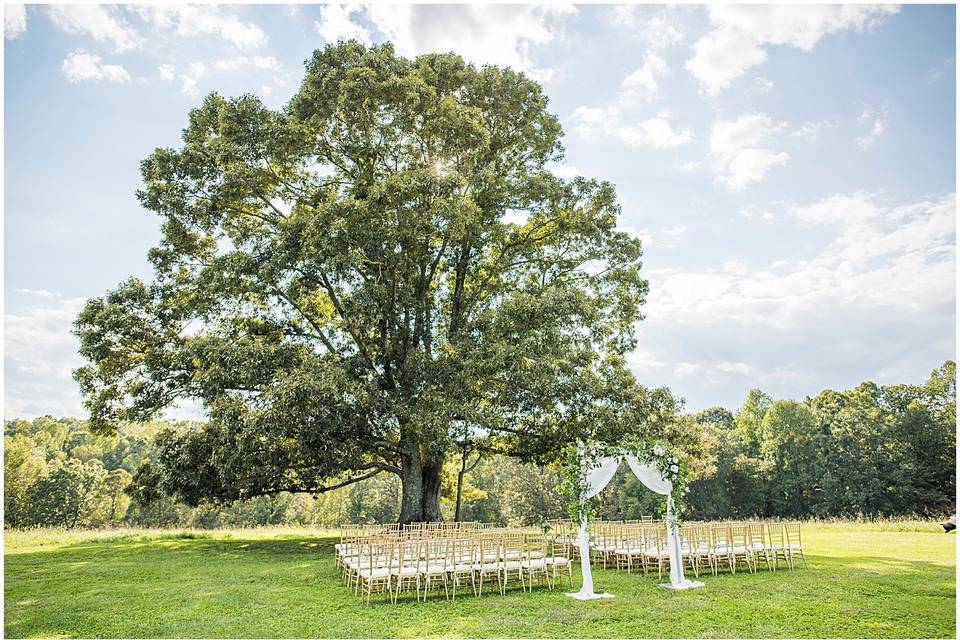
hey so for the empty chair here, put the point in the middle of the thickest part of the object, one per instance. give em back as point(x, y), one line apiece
point(534, 561)
point(739, 549)
point(757, 540)
point(794, 544)
point(657, 552)
point(559, 559)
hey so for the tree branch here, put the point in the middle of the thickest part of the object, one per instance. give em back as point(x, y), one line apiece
point(347, 482)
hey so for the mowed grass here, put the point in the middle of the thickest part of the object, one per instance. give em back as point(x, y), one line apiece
point(893, 580)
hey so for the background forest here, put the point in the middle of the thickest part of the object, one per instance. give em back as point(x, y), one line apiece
point(873, 451)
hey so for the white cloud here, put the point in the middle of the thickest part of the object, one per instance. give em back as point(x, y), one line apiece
point(848, 209)
point(191, 75)
point(644, 235)
point(39, 293)
point(335, 24)
point(749, 166)
point(644, 360)
point(738, 150)
point(941, 70)
point(741, 33)
point(39, 356)
point(762, 84)
point(811, 129)
point(201, 20)
point(668, 237)
point(642, 83)
point(14, 21)
point(655, 132)
point(751, 212)
point(612, 121)
point(741, 368)
point(674, 232)
point(244, 62)
point(80, 66)
point(563, 171)
point(874, 122)
point(657, 29)
point(595, 122)
point(900, 258)
point(483, 34)
point(100, 22)
point(870, 290)
point(722, 55)
point(189, 79)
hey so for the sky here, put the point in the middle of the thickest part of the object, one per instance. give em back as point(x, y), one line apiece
point(790, 169)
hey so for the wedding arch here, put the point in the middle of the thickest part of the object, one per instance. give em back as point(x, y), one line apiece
point(591, 467)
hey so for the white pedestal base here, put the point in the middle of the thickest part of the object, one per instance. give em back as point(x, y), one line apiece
point(686, 584)
point(580, 595)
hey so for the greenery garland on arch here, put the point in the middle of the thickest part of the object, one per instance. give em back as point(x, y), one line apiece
point(646, 451)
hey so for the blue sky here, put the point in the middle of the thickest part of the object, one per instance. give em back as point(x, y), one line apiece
point(791, 169)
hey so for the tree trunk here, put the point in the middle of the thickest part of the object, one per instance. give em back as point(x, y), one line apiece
point(420, 486)
point(463, 471)
point(411, 485)
point(420, 478)
point(432, 477)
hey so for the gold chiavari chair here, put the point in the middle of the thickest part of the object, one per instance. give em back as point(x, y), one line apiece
point(351, 556)
point(374, 571)
point(630, 550)
point(534, 560)
point(723, 547)
point(462, 560)
point(607, 542)
point(405, 566)
point(794, 544)
point(487, 564)
point(690, 536)
point(656, 551)
point(757, 539)
point(511, 560)
point(343, 549)
point(558, 558)
point(777, 544)
point(435, 566)
point(740, 547)
point(705, 550)
point(351, 550)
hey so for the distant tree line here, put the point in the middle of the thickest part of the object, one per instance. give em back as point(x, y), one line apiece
point(872, 450)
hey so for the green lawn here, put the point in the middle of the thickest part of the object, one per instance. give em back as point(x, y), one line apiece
point(886, 580)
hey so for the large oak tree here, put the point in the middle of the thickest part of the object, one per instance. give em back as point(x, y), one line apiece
point(367, 280)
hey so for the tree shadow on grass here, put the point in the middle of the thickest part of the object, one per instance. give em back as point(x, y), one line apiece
point(125, 546)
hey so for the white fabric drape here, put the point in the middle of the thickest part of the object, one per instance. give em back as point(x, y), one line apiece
point(650, 476)
point(597, 478)
point(600, 476)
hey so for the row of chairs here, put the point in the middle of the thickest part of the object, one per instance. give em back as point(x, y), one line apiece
point(423, 559)
point(703, 546)
point(366, 530)
point(392, 559)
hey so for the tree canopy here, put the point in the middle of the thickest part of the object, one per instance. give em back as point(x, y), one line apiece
point(362, 281)
point(871, 450)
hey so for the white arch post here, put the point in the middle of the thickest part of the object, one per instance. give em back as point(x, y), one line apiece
point(597, 479)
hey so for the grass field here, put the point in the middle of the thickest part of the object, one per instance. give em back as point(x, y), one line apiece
point(874, 580)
